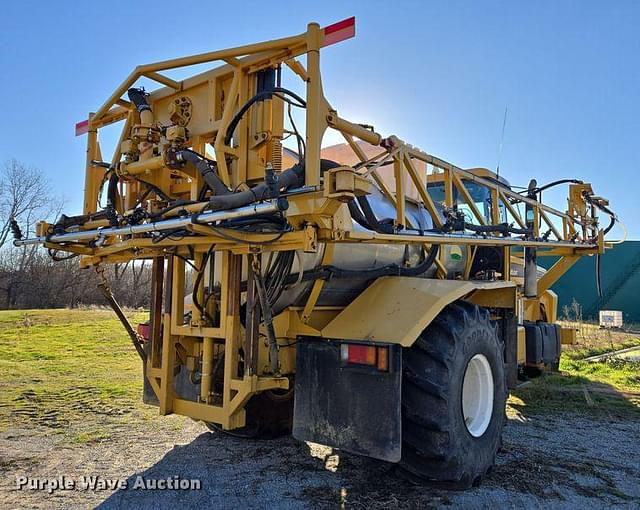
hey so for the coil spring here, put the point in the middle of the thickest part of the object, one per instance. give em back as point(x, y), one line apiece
point(276, 154)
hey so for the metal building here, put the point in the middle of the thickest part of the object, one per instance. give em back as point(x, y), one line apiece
point(620, 281)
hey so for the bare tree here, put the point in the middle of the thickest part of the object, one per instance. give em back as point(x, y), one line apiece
point(131, 282)
point(25, 195)
point(29, 277)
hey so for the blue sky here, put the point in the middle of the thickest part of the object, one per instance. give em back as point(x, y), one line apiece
point(437, 74)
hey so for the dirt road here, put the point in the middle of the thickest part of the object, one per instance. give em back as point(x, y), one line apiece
point(553, 461)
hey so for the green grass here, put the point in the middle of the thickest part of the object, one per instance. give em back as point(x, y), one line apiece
point(617, 374)
point(609, 388)
point(68, 370)
point(75, 372)
point(580, 352)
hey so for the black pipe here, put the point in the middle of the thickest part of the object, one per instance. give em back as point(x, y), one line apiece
point(65, 221)
point(288, 178)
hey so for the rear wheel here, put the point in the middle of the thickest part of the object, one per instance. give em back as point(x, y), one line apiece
point(453, 398)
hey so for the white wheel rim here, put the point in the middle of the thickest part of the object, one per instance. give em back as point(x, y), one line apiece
point(477, 395)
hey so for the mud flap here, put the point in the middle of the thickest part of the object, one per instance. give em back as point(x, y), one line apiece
point(352, 407)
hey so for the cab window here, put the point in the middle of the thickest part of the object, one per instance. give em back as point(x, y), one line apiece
point(480, 195)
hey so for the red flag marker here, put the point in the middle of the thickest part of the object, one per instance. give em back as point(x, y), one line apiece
point(82, 127)
point(340, 31)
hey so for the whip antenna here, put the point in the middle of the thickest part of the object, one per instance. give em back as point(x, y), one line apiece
point(504, 123)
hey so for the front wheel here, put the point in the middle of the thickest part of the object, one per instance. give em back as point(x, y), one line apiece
point(453, 398)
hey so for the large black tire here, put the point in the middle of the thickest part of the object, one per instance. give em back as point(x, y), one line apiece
point(437, 446)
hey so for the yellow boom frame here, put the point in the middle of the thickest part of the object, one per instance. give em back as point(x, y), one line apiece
point(317, 215)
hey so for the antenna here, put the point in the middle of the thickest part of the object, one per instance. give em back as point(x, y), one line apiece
point(504, 123)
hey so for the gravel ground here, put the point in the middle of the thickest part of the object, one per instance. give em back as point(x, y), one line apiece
point(555, 461)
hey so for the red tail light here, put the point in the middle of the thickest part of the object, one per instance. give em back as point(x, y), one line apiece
point(369, 355)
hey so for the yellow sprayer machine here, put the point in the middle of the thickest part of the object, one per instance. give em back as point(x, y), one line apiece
point(371, 297)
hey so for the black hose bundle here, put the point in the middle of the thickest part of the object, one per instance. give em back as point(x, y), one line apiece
point(226, 199)
point(277, 274)
point(371, 219)
point(357, 216)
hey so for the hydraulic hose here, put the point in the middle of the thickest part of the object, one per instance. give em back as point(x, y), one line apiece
point(555, 183)
point(153, 188)
point(612, 222)
point(291, 178)
point(261, 96)
point(112, 193)
point(267, 318)
point(357, 216)
point(139, 98)
point(206, 169)
point(112, 190)
point(612, 216)
point(288, 178)
point(372, 220)
point(502, 228)
point(455, 222)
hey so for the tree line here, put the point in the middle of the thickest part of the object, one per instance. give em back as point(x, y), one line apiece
point(29, 276)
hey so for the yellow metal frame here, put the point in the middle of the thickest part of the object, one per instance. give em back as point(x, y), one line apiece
point(318, 217)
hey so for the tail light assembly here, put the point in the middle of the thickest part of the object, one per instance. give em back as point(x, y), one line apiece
point(367, 355)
